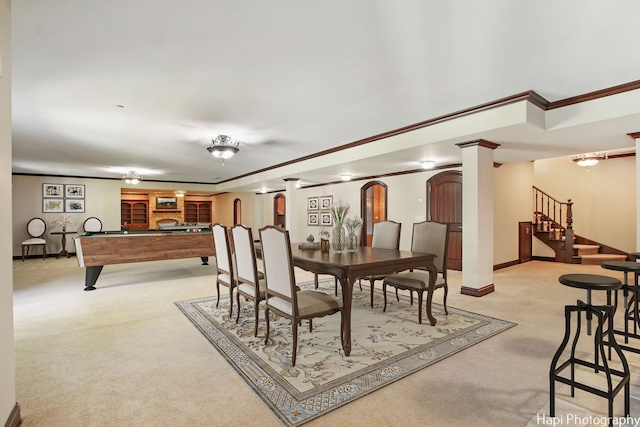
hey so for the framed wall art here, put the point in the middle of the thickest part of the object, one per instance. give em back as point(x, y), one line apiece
point(53, 190)
point(52, 205)
point(166, 203)
point(312, 218)
point(326, 202)
point(74, 205)
point(74, 191)
point(312, 203)
point(326, 219)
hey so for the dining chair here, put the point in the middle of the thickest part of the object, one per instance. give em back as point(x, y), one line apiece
point(250, 281)
point(386, 235)
point(282, 296)
point(92, 224)
point(36, 227)
point(224, 264)
point(429, 237)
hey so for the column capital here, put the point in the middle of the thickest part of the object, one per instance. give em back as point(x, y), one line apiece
point(478, 142)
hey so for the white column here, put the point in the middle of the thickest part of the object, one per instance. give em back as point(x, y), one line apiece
point(291, 209)
point(477, 217)
point(258, 214)
point(636, 136)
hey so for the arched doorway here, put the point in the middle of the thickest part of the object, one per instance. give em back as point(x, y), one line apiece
point(373, 207)
point(444, 204)
point(237, 212)
point(279, 213)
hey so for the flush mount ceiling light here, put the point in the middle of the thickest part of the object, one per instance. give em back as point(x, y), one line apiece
point(223, 147)
point(588, 159)
point(263, 190)
point(132, 177)
point(427, 164)
point(180, 193)
point(346, 177)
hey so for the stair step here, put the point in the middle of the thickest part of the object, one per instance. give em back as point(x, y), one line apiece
point(597, 259)
point(582, 250)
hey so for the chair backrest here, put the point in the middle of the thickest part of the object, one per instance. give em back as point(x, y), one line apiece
point(386, 235)
point(36, 227)
point(432, 237)
point(245, 254)
point(278, 263)
point(223, 252)
point(92, 224)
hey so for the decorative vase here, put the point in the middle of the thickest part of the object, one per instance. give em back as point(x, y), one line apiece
point(352, 242)
point(339, 239)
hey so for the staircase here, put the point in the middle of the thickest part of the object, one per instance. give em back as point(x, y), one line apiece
point(548, 218)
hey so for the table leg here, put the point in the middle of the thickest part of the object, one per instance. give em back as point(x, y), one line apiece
point(347, 291)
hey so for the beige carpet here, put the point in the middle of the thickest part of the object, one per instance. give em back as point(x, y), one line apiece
point(123, 355)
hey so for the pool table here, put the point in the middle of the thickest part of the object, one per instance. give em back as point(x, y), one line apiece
point(97, 249)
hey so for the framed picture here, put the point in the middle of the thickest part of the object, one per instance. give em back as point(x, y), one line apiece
point(326, 218)
point(312, 203)
point(74, 191)
point(53, 190)
point(326, 202)
point(52, 205)
point(74, 205)
point(312, 218)
point(166, 203)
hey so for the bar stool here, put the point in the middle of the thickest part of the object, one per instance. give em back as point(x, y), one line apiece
point(631, 313)
point(604, 314)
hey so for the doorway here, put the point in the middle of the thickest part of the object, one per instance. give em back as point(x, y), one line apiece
point(279, 213)
point(373, 206)
point(444, 204)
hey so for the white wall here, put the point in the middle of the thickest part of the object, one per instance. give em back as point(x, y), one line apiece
point(7, 353)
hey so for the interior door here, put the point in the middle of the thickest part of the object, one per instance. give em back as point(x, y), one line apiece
point(373, 205)
point(525, 242)
point(444, 204)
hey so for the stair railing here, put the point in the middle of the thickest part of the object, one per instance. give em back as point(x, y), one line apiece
point(547, 208)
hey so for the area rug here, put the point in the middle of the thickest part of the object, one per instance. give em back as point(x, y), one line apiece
point(385, 348)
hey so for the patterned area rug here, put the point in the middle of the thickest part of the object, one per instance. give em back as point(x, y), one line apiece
point(385, 347)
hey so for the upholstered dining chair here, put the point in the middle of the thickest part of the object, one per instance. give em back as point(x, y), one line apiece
point(282, 296)
point(36, 227)
point(386, 235)
point(92, 224)
point(251, 283)
point(224, 263)
point(430, 237)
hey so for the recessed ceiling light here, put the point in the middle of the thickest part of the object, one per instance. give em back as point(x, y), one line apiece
point(428, 164)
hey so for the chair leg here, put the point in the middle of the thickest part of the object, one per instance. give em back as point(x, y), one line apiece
point(372, 282)
point(266, 320)
point(230, 302)
point(23, 248)
point(420, 307)
point(446, 291)
point(238, 304)
point(336, 282)
point(44, 252)
point(218, 291)
point(315, 280)
point(294, 326)
point(360, 283)
point(255, 312)
point(384, 293)
point(397, 296)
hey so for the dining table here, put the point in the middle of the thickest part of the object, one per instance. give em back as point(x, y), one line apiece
point(364, 261)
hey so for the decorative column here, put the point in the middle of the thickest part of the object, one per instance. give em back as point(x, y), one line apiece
point(477, 217)
point(636, 137)
point(258, 214)
point(291, 209)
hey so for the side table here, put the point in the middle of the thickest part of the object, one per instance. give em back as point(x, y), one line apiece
point(604, 314)
point(64, 252)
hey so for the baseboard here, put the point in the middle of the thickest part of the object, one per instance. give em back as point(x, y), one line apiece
point(477, 292)
point(506, 264)
point(14, 419)
point(543, 258)
point(19, 257)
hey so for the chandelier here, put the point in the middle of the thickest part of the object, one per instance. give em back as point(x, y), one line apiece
point(223, 147)
point(132, 177)
point(588, 159)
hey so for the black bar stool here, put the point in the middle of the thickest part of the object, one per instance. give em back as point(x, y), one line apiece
point(631, 312)
point(604, 314)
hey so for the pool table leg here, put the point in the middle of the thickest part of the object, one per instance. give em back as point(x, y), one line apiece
point(91, 276)
point(205, 260)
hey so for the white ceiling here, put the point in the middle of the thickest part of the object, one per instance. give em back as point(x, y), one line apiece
point(289, 78)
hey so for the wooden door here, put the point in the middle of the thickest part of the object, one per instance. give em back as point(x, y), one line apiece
point(444, 204)
point(373, 208)
point(525, 241)
point(279, 212)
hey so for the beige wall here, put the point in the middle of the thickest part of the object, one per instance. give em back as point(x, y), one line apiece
point(604, 203)
point(7, 354)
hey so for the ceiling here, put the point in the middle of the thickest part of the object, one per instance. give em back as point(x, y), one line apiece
point(100, 88)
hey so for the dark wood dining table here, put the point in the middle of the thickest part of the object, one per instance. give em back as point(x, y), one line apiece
point(365, 261)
